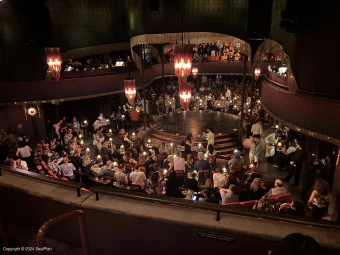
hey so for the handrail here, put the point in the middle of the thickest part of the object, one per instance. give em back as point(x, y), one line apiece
point(61, 219)
point(214, 207)
point(40, 177)
point(191, 204)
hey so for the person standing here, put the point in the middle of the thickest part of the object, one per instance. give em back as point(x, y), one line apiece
point(256, 129)
point(296, 164)
point(255, 149)
point(210, 138)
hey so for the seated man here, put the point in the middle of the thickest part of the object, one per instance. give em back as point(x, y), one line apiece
point(67, 169)
point(53, 164)
point(201, 164)
point(137, 177)
point(105, 151)
point(278, 190)
point(236, 160)
point(228, 195)
point(220, 179)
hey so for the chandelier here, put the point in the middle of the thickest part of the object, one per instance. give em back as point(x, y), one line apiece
point(185, 95)
point(257, 73)
point(183, 60)
point(130, 90)
point(55, 67)
point(194, 72)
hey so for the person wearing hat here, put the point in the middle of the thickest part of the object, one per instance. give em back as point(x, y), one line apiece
point(236, 160)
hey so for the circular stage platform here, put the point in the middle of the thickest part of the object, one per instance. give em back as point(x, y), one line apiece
point(197, 122)
point(174, 127)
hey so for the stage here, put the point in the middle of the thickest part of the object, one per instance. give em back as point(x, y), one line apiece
point(197, 122)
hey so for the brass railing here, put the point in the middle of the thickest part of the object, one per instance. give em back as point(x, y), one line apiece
point(61, 219)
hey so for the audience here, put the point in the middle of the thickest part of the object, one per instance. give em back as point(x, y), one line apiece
point(201, 164)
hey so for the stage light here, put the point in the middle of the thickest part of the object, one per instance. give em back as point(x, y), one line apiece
point(32, 111)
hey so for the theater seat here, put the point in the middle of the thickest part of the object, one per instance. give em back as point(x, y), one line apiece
point(248, 204)
point(283, 198)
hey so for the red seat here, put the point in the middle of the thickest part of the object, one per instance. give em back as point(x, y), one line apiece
point(281, 198)
point(248, 204)
point(234, 204)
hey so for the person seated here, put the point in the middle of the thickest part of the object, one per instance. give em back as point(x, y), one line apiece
point(293, 208)
point(201, 164)
point(163, 150)
point(172, 186)
point(76, 158)
point(137, 177)
point(203, 181)
point(320, 198)
point(129, 159)
point(105, 151)
point(279, 189)
point(256, 190)
point(179, 162)
point(97, 142)
point(43, 161)
point(208, 197)
point(68, 136)
point(236, 160)
point(154, 184)
point(119, 176)
point(110, 168)
point(190, 182)
point(220, 179)
point(53, 164)
point(100, 132)
point(169, 163)
point(67, 169)
point(228, 195)
point(20, 164)
point(96, 169)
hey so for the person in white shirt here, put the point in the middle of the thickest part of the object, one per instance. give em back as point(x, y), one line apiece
point(179, 162)
point(256, 129)
point(211, 137)
point(24, 151)
point(137, 177)
point(220, 179)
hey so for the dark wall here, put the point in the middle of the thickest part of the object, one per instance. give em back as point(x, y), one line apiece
point(224, 16)
point(83, 23)
point(27, 27)
point(313, 53)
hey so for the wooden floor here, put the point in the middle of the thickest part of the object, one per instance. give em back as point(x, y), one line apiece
point(197, 122)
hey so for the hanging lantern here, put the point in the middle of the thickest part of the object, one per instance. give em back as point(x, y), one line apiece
point(183, 60)
point(257, 72)
point(130, 90)
point(194, 72)
point(185, 95)
point(53, 60)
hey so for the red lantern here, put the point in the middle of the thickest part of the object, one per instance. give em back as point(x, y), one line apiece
point(183, 60)
point(130, 90)
point(53, 60)
point(257, 73)
point(185, 95)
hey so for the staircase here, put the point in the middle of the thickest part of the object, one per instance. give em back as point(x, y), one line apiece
point(225, 144)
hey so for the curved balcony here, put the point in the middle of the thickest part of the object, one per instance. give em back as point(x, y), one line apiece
point(313, 116)
point(278, 79)
point(43, 91)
